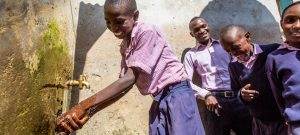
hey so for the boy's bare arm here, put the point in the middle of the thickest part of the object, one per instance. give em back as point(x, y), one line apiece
point(78, 115)
point(110, 91)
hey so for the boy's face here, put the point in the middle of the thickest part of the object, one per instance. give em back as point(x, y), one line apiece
point(199, 29)
point(290, 24)
point(238, 46)
point(119, 21)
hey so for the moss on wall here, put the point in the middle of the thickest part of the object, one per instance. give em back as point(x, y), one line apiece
point(25, 107)
point(54, 67)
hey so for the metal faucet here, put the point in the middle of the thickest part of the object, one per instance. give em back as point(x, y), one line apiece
point(79, 83)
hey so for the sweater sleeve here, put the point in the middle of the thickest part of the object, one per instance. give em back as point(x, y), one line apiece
point(234, 81)
point(273, 79)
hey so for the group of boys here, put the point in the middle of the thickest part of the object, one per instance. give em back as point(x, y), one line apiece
point(247, 88)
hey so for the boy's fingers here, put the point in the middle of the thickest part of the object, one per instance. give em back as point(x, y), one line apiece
point(82, 121)
point(67, 127)
point(246, 87)
point(209, 107)
point(250, 92)
point(85, 119)
point(62, 133)
point(76, 119)
point(60, 119)
point(71, 122)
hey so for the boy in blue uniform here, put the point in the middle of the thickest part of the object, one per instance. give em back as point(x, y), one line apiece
point(248, 76)
point(283, 69)
point(148, 62)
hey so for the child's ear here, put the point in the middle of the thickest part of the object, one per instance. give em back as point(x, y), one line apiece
point(281, 22)
point(191, 33)
point(136, 15)
point(248, 36)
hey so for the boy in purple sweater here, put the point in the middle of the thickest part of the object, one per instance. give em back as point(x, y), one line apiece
point(283, 69)
point(248, 77)
point(148, 62)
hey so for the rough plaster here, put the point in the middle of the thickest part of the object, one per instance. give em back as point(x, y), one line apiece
point(31, 55)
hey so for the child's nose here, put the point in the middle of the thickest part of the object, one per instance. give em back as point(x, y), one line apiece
point(297, 24)
point(201, 31)
point(114, 28)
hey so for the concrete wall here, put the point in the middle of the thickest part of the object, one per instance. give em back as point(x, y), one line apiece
point(95, 52)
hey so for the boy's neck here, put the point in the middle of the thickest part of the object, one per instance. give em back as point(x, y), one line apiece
point(294, 44)
point(207, 42)
point(251, 50)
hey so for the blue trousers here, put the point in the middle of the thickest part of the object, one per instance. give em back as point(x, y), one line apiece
point(174, 112)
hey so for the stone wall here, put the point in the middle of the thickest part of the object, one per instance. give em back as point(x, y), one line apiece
point(34, 51)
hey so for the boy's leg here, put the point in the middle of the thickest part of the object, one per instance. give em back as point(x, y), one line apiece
point(269, 128)
point(157, 123)
point(181, 111)
point(211, 122)
point(240, 117)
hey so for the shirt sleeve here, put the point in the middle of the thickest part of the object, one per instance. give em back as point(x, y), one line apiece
point(189, 68)
point(146, 51)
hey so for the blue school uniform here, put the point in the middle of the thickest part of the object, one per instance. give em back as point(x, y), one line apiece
point(174, 111)
point(266, 115)
point(283, 69)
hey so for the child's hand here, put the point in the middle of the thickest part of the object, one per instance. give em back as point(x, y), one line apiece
point(212, 103)
point(248, 94)
point(72, 120)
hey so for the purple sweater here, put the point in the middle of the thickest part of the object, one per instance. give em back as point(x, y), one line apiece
point(263, 107)
point(283, 70)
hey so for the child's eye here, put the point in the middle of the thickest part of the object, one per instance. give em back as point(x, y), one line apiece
point(235, 47)
point(119, 22)
point(196, 30)
point(289, 19)
point(204, 26)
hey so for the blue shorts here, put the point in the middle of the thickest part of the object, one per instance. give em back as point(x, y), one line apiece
point(175, 112)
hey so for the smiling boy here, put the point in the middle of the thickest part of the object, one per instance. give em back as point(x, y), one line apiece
point(148, 62)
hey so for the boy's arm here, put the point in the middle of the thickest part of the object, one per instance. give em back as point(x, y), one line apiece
point(189, 68)
point(275, 83)
point(234, 81)
point(78, 115)
point(210, 101)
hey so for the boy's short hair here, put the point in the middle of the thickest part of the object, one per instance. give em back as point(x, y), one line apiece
point(230, 27)
point(195, 18)
point(129, 4)
point(286, 8)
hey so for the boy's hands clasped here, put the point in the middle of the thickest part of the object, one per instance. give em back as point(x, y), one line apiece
point(72, 120)
point(248, 94)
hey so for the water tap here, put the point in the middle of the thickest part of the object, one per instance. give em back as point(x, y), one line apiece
point(80, 83)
